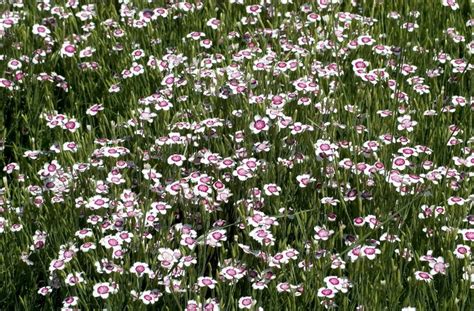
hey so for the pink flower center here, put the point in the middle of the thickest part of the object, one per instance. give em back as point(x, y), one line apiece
point(325, 147)
point(260, 124)
point(103, 289)
point(70, 49)
point(327, 292)
point(323, 233)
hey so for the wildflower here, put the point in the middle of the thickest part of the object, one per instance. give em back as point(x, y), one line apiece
point(104, 290)
point(214, 23)
point(71, 125)
point(176, 159)
point(110, 241)
point(94, 109)
point(206, 282)
point(97, 202)
point(467, 234)
point(405, 123)
point(70, 146)
point(7, 84)
point(423, 276)
point(57, 264)
point(41, 30)
point(246, 302)
point(193, 305)
point(438, 266)
point(9, 168)
point(68, 49)
point(369, 252)
point(462, 251)
point(355, 253)
point(168, 257)
point(327, 292)
point(45, 290)
point(450, 3)
point(304, 180)
point(70, 301)
point(150, 296)
point(326, 150)
point(400, 163)
point(283, 287)
point(329, 201)
point(365, 40)
point(321, 233)
point(259, 124)
point(87, 246)
point(272, 189)
point(232, 273)
point(215, 238)
point(140, 269)
point(72, 279)
point(456, 201)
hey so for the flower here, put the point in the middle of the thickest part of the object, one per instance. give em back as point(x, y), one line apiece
point(70, 301)
point(206, 282)
point(71, 125)
point(324, 292)
point(450, 3)
point(462, 251)
point(271, 189)
point(176, 159)
point(72, 279)
point(304, 180)
point(215, 238)
point(370, 252)
point(326, 150)
point(150, 296)
point(456, 201)
point(259, 124)
point(423, 276)
point(467, 234)
point(10, 167)
point(405, 123)
point(232, 273)
point(246, 302)
point(438, 266)
point(45, 290)
point(140, 269)
point(94, 109)
point(111, 241)
point(41, 30)
point(104, 290)
point(400, 163)
point(338, 284)
point(321, 233)
point(68, 49)
point(57, 264)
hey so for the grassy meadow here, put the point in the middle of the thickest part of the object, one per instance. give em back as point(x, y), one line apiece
point(231, 154)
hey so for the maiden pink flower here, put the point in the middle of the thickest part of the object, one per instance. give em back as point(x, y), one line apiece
point(104, 290)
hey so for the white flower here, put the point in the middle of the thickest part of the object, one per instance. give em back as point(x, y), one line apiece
point(271, 189)
point(41, 30)
point(259, 124)
point(68, 49)
point(176, 159)
point(246, 302)
point(450, 3)
point(103, 290)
